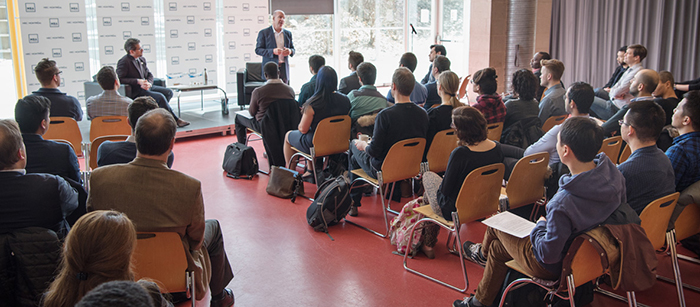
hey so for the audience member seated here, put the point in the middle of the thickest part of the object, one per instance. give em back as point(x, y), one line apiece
point(308, 89)
point(685, 86)
point(125, 151)
point(665, 96)
point(620, 92)
point(403, 120)
point(440, 117)
point(617, 74)
point(587, 197)
point(261, 98)
point(685, 151)
point(552, 104)
point(326, 102)
point(62, 104)
point(30, 200)
point(351, 82)
point(536, 64)
point(577, 101)
point(648, 172)
point(641, 86)
point(523, 105)
point(109, 102)
point(440, 64)
point(98, 250)
point(435, 50)
point(474, 151)
point(365, 102)
point(488, 101)
point(419, 93)
point(161, 199)
point(121, 293)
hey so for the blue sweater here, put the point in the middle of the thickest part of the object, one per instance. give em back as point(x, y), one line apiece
point(648, 175)
point(582, 202)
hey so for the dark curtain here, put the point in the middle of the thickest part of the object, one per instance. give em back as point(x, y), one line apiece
point(586, 35)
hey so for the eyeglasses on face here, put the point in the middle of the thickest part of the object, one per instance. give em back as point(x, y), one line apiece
point(623, 122)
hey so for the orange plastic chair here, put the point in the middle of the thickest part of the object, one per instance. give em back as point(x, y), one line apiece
point(494, 131)
point(444, 142)
point(553, 121)
point(626, 152)
point(526, 183)
point(611, 147)
point(109, 125)
point(66, 128)
point(92, 156)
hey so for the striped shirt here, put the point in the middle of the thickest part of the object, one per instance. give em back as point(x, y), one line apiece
point(108, 103)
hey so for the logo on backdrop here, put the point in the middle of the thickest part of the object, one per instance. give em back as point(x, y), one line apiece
point(74, 7)
point(246, 32)
point(81, 95)
point(33, 38)
point(107, 21)
point(53, 23)
point(207, 6)
point(191, 46)
point(207, 32)
point(77, 37)
point(145, 21)
point(246, 6)
point(173, 33)
point(232, 20)
point(232, 70)
point(208, 58)
point(232, 45)
point(175, 60)
point(30, 7)
point(109, 50)
point(261, 19)
point(126, 34)
point(33, 66)
point(79, 66)
point(56, 52)
point(190, 20)
point(125, 7)
point(193, 71)
point(146, 48)
point(172, 6)
point(246, 57)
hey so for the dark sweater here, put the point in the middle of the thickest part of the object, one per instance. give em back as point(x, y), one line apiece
point(439, 118)
point(396, 123)
point(668, 104)
point(648, 175)
point(462, 162)
point(517, 109)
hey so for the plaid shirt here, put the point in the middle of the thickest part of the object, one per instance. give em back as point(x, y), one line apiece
point(108, 103)
point(492, 107)
point(685, 158)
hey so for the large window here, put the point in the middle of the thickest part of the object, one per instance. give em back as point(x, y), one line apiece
point(8, 85)
point(420, 15)
point(312, 34)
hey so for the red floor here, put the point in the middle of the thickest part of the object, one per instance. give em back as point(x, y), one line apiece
point(279, 260)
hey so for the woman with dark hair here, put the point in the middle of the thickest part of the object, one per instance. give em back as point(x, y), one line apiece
point(475, 151)
point(440, 116)
point(488, 102)
point(325, 102)
point(523, 104)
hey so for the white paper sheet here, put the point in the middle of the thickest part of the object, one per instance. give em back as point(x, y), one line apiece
point(510, 224)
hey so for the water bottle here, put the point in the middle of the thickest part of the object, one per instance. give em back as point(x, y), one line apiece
point(206, 78)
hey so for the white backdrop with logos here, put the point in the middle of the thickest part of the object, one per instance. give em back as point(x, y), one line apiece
point(243, 19)
point(56, 29)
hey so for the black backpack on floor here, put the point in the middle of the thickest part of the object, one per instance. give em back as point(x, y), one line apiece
point(240, 161)
point(331, 204)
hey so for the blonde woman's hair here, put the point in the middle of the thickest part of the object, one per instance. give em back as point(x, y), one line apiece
point(97, 249)
point(449, 82)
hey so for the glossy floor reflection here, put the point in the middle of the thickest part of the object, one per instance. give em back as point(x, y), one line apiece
point(279, 260)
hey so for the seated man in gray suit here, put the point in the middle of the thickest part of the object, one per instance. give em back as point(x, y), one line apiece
point(109, 102)
point(160, 199)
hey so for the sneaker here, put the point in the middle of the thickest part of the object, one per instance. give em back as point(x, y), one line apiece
point(472, 251)
point(466, 302)
point(353, 211)
point(227, 300)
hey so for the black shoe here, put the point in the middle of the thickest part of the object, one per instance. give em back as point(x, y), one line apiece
point(227, 301)
point(472, 251)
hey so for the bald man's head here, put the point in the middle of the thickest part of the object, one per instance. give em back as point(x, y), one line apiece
point(648, 79)
point(154, 132)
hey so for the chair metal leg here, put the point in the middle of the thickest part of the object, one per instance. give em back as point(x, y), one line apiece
point(388, 202)
point(631, 299)
point(671, 242)
point(618, 297)
point(571, 287)
point(691, 259)
point(386, 221)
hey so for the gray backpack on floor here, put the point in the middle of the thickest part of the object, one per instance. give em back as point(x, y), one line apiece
point(331, 204)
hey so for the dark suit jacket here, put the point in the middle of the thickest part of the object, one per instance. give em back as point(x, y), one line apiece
point(44, 156)
point(433, 97)
point(281, 116)
point(130, 70)
point(61, 103)
point(349, 83)
point(120, 152)
point(429, 76)
point(35, 200)
point(266, 43)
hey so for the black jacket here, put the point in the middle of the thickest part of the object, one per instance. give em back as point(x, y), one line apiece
point(281, 116)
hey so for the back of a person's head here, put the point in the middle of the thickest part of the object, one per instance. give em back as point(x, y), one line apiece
point(30, 111)
point(545, 55)
point(409, 61)
point(647, 118)
point(316, 62)
point(649, 78)
point(442, 63)
point(355, 58)
point(97, 249)
point(525, 84)
point(155, 132)
point(139, 107)
point(638, 50)
point(271, 70)
point(45, 70)
point(692, 108)
point(583, 136)
point(486, 80)
point(582, 94)
point(404, 80)
point(555, 67)
point(439, 49)
point(117, 293)
point(367, 73)
point(449, 82)
point(10, 143)
point(470, 125)
point(666, 76)
point(107, 77)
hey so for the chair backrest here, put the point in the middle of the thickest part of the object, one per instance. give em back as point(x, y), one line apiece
point(611, 147)
point(65, 128)
point(586, 260)
point(655, 218)
point(687, 223)
point(403, 160)
point(626, 152)
point(494, 131)
point(109, 125)
point(553, 121)
point(161, 256)
point(478, 197)
point(254, 72)
point(444, 142)
point(332, 135)
point(526, 182)
point(96, 144)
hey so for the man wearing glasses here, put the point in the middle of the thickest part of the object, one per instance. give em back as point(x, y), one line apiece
point(50, 78)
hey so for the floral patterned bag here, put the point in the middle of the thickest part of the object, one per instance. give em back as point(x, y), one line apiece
point(401, 228)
